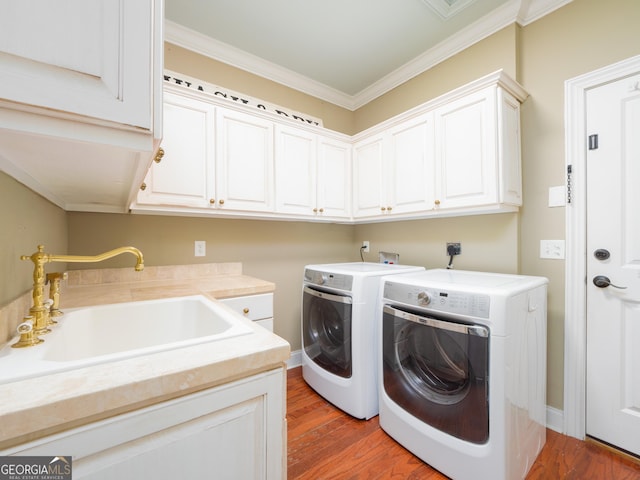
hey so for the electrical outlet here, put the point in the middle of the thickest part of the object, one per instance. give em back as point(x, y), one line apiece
point(552, 249)
point(365, 246)
point(200, 248)
point(454, 249)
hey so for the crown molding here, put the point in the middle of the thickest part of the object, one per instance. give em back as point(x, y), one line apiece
point(522, 12)
point(225, 53)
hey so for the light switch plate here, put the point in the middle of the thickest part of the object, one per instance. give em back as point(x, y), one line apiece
point(552, 249)
point(200, 248)
point(557, 196)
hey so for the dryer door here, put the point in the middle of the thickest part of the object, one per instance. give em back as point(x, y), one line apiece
point(326, 330)
point(437, 370)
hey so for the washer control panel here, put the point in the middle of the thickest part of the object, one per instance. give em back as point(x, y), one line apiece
point(449, 301)
point(332, 280)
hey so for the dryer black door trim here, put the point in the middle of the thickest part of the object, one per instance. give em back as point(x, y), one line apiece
point(326, 330)
point(438, 371)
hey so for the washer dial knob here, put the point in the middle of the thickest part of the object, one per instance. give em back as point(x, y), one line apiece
point(424, 298)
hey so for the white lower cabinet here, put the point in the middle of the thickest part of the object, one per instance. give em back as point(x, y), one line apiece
point(257, 308)
point(233, 431)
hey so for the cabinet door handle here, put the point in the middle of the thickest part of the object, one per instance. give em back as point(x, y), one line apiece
point(143, 187)
point(315, 210)
point(221, 202)
point(437, 202)
point(322, 210)
point(389, 209)
point(159, 155)
point(245, 310)
point(382, 208)
point(212, 201)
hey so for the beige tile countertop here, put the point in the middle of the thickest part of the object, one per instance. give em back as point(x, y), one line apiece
point(36, 407)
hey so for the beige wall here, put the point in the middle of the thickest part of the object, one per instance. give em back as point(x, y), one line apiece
point(26, 220)
point(489, 242)
point(580, 37)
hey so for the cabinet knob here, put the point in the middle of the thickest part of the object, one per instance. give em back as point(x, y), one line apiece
point(315, 210)
point(143, 187)
point(212, 201)
point(382, 208)
point(322, 210)
point(245, 310)
point(437, 202)
point(159, 155)
point(221, 202)
point(389, 209)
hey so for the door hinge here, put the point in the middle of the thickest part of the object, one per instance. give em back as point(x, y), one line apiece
point(569, 170)
point(593, 142)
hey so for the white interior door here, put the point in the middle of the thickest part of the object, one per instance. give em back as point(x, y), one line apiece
point(613, 264)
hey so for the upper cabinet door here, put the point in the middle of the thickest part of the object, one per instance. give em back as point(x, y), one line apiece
point(244, 162)
point(88, 57)
point(334, 178)
point(411, 171)
point(369, 196)
point(184, 176)
point(296, 152)
point(466, 152)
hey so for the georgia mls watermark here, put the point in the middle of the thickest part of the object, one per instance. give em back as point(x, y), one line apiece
point(35, 468)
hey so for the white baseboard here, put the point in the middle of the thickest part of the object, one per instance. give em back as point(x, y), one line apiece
point(555, 417)
point(295, 359)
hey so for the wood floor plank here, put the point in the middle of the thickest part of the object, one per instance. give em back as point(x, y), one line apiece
point(325, 443)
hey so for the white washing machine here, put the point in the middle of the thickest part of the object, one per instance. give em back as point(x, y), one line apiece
point(463, 370)
point(339, 329)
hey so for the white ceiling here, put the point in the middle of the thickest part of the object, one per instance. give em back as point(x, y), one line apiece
point(347, 52)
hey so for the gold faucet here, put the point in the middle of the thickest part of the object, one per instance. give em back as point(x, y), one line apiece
point(39, 311)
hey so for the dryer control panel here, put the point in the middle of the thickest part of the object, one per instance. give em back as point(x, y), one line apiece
point(433, 299)
point(332, 280)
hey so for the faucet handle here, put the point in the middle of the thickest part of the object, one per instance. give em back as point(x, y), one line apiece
point(28, 337)
point(54, 279)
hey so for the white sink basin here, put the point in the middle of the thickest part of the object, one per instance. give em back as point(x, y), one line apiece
point(107, 333)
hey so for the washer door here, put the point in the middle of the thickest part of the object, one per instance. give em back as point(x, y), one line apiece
point(437, 370)
point(326, 330)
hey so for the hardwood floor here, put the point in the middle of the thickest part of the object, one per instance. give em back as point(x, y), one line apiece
point(326, 443)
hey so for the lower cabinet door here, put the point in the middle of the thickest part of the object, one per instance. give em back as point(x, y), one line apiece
point(234, 431)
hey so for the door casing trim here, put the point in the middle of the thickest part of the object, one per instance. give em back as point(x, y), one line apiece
point(575, 323)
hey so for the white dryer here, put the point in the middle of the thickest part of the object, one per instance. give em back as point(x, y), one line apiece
point(463, 370)
point(339, 332)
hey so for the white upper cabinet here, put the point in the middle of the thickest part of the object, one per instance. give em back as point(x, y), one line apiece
point(313, 174)
point(478, 151)
point(244, 162)
point(466, 151)
point(185, 174)
point(85, 57)
point(394, 170)
point(369, 194)
point(80, 98)
point(411, 166)
point(458, 154)
point(333, 186)
point(296, 163)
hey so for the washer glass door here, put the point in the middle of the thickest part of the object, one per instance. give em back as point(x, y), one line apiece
point(326, 330)
point(437, 370)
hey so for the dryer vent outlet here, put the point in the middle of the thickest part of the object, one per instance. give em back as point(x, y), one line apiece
point(454, 249)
